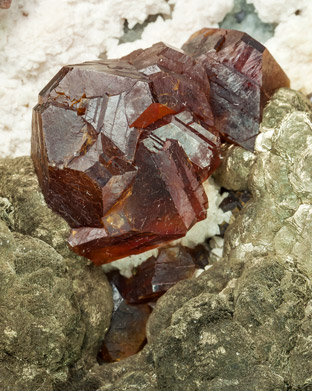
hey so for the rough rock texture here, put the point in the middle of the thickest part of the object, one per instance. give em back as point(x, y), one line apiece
point(245, 324)
point(55, 307)
point(234, 169)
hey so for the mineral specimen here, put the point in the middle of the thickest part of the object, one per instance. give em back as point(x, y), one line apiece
point(127, 333)
point(121, 147)
point(242, 75)
point(156, 275)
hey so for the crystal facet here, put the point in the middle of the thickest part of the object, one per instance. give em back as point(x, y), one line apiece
point(155, 276)
point(243, 75)
point(127, 333)
point(121, 148)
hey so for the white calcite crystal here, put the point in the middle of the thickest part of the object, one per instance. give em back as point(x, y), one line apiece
point(277, 11)
point(292, 48)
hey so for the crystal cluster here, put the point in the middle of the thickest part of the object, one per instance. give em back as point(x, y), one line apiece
point(121, 147)
point(242, 75)
point(135, 298)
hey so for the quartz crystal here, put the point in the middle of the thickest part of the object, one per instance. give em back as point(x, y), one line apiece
point(243, 75)
point(121, 148)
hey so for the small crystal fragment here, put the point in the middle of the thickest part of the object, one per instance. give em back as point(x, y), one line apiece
point(243, 75)
point(127, 333)
point(235, 201)
point(156, 275)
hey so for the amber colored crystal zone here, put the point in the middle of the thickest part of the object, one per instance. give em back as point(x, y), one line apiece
point(127, 333)
point(121, 147)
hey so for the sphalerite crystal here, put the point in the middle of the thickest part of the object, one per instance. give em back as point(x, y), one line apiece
point(121, 147)
point(155, 276)
point(127, 333)
point(243, 75)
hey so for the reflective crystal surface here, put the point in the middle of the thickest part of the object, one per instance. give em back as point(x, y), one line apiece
point(156, 275)
point(127, 332)
point(121, 148)
point(243, 75)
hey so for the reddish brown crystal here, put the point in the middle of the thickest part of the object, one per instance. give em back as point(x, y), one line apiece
point(121, 148)
point(166, 200)
point(156, 275)
point(127, 333)
point(178, 81)
point(242, 75)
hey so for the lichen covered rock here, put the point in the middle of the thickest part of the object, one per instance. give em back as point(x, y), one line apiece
point(55, 307)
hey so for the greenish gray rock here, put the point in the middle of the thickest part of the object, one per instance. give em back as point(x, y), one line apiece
point(243, 17)
point(233, 172)
point(28, 211)
point(55, 306)
point(244, 324)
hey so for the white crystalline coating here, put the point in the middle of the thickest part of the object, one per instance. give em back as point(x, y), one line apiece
point(198, 234)
point(291, 47)
point(125, 265)
point(175, 31)
point(276, 11)
point(210, 226)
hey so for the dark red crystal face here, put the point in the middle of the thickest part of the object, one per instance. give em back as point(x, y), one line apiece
point(121, 148)
point(155, 276)
point(242, 75)
point(127, 333)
